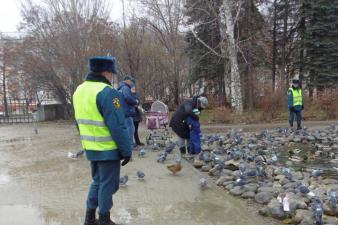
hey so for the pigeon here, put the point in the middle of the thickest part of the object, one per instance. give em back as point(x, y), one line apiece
point(218, 150)
point(317, 207)
point(274, 159)
point(155, 147)
point(303, 189)
point(75, 155)
point(260, 160)
point(242, 167)
point(261, 172)
point(287, 173)
point(240, 181)
point(169, 149)
point(162, 157)
point(221, 141)
point(203, 183)
point(177, 159)
point(140, 175)
point(251, 173)
point(333, 200)
point(123, 180)
point(142, 153)
point(316, 173)
point(205, 156)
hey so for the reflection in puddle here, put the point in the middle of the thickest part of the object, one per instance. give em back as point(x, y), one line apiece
point(22, 214)
point(124, 215)
point(4, 179)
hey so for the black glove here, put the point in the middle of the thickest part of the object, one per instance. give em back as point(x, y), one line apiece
point(125, 160)
point(292, 108)
point(302, 107)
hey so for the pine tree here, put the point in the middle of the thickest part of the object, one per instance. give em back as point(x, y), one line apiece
point(205, 64)
point(321, 42)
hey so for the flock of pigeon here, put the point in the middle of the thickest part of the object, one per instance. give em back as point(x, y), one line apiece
point(249, 165)
point(173, 168)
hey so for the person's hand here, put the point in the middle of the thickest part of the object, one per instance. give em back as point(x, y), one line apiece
point(125, 160)
point(302, 107)
point(292, 108)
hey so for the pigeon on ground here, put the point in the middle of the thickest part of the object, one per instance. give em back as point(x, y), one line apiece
point(162, 157)
point(140, 175)
point(123, 180)
point(251, 173)
point(317, 207)
point(169, 149)
point(242, 167)
point(261, 172)
point(303, 189)
point(142, 153)
point(75, 155)
point(316, 173)
point(155, 147)
point(287, 173)
point(333, 200)
point(241, 181)
point(203, 183)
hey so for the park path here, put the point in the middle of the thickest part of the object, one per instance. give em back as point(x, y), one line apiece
point(39, 185)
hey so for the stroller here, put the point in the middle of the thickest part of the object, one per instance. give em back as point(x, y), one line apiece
point(157, 120)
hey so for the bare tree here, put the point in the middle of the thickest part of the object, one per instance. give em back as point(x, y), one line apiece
point(165, 18)
point(61, 36)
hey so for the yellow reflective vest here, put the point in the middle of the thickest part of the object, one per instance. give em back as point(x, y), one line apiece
point(296, 96)
point(94, 133)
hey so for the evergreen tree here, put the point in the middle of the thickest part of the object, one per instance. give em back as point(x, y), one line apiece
point(321, 42)
point(205, 64)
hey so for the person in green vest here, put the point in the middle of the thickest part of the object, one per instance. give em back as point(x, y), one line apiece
point(295, 103)
point(104, 136)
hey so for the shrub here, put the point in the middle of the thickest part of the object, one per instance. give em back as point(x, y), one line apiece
point(272, 103)
point(221, 115)
point(328, 101)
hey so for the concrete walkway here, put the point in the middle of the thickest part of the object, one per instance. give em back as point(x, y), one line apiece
point(39, 185)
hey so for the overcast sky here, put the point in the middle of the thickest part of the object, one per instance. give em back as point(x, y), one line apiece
point(10, 14)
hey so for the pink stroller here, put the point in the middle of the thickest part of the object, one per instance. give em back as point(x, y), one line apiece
point(157, 120)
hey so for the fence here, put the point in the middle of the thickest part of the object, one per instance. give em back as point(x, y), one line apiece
point(18, 111)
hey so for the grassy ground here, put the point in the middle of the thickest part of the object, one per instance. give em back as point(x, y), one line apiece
point(217, 115)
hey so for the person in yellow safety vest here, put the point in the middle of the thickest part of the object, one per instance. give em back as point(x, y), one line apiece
point(104, 136)
point(295, 103)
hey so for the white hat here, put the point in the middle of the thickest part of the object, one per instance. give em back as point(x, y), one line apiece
point(202, 102)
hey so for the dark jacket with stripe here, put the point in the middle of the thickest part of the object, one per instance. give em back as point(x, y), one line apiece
point(178, 120)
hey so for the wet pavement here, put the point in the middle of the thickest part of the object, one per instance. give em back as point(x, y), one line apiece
point(39, 185)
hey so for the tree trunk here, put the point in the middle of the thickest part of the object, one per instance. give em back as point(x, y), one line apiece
point(248, 55)
point(302, 33)
point(274, 45)
point(285, 30)
point(235, 86)
point(4, 87)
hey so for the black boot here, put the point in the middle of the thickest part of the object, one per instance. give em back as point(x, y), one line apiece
point(183, 150)
point(90, 217)
point(104, 219)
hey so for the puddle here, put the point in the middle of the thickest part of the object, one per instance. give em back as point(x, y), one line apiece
point(22, 214)
point(309, 160)
point(4, 179)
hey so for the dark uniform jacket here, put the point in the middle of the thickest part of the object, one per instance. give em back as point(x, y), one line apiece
point(114, 118)
point(178, 120)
